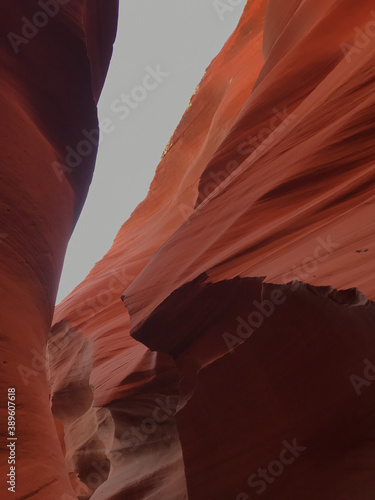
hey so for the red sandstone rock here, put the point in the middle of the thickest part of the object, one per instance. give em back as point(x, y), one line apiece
point(236, 380)
point(128, 379)
point(299, 205)
point(50, 82)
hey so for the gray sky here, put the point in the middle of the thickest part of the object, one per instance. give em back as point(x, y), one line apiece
point(177, 39)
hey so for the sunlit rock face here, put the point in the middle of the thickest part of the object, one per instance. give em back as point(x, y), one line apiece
point(241, 358)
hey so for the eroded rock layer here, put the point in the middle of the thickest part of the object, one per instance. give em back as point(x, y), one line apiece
point(52, 70)
point(139, 387)
point(268, 179)
point(244, 361)
point(277, 395)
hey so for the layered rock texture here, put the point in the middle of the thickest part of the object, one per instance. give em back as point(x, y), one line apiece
point(53, 66)
point(224, 347)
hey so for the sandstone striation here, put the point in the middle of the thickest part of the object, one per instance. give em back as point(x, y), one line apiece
point(224, 346)
point(52, 70)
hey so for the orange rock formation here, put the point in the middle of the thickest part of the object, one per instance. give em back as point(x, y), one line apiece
point(241, 359)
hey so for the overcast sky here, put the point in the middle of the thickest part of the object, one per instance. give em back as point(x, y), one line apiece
point(173, 41)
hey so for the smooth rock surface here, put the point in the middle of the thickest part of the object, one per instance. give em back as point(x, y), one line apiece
point(243, 362)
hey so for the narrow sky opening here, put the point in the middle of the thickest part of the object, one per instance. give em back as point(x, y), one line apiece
point(161, 52)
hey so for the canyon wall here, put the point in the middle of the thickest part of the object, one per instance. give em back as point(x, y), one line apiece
point(54, 60)
point(224, 346)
